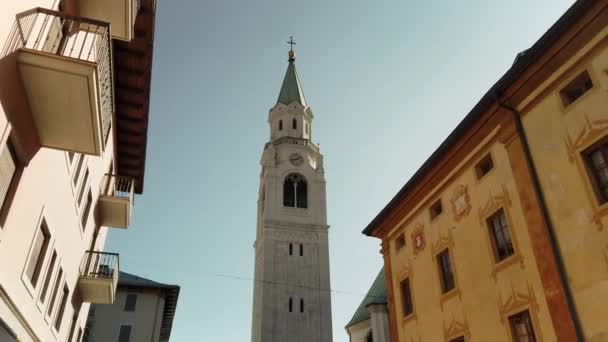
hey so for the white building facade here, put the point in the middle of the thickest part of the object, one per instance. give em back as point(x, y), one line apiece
point(142, 312)
point(292, 298)
point(69, 169)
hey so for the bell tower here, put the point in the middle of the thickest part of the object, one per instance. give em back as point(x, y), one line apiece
point(292, 298)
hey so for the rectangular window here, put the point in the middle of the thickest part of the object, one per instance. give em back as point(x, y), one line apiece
point(301, 304)
point(445, 271)
point(400, 242)
point(125, 333)
point(54, 294)
point(406, 297)
point(7, 171)
point(82, 187)
point(85, 211)
point(130, 302)
point(290, 304)
point(301, 250)
point(500, 236)
point(64, 301)
point(47, 279)
point(576, 88)
point(38, 253)
point(597, 164)
point(76, 174)
point(436, 209)
point(484, 166)
point(521, 327)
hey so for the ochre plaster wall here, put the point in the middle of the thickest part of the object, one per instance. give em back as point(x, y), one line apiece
point(486, 293)
point(558, 136)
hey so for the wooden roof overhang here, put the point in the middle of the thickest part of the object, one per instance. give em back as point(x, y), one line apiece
point(583, 20)
point(132, 75)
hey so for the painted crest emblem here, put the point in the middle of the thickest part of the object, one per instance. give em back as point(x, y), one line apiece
point(418, 238)
point(461, 202)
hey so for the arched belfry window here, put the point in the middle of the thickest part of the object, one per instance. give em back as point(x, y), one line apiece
point(280, 125)
point(294, 123)
point(295, 191)
point(369, 338)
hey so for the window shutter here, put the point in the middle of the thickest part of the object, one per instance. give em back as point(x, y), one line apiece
point(34, 255)
point(7, 171)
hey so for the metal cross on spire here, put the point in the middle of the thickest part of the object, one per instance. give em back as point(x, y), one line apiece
point(291, 43)
point(292, 55)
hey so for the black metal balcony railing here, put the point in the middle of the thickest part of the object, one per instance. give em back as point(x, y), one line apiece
point(99, 265)
point(83, 39)
point(292, 140)
point(118, 186)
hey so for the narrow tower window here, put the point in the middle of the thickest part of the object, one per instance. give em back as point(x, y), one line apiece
point(290, 304)
point(294, 123)
point(291, 249)
point(301, 304)
point(295, 191)
point(280, 125)
point(301, 250)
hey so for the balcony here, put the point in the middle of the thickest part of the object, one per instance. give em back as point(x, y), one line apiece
point(98, 277)
point(294, 141)
point(120, 13)
point(115, 201)
point(65, 65)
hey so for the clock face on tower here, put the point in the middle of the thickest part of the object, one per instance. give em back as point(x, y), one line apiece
point(296, 159)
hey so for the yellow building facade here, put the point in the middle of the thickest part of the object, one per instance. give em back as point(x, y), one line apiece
point(502, 235)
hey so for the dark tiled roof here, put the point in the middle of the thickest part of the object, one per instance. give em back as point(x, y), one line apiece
point(375, 295)
point(171, 293)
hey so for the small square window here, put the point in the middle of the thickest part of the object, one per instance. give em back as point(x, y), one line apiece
point(436, 209)
point(576, 88)
point(400, 242)
point(521, 327)
point(484, 166)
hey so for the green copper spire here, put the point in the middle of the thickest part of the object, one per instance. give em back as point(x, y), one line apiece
point(292, 89)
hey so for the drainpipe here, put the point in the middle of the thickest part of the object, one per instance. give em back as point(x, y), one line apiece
point(559, 260)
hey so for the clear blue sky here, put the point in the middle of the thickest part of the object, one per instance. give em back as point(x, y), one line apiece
point(387, 81)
